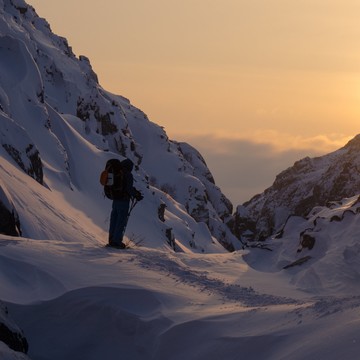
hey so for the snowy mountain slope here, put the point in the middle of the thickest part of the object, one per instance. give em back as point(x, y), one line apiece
point(154, 304)
point(295, 191)
point(60, 126)
point(74, 299)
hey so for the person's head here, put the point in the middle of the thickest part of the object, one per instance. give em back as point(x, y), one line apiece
point(127, 164)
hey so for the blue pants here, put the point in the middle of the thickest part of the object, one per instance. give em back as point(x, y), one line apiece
point(118, 221)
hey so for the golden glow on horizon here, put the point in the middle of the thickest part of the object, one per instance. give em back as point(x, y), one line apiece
point(232, 66)
point(222, 142)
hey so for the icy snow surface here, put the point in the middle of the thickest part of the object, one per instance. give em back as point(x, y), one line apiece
point(75, 299)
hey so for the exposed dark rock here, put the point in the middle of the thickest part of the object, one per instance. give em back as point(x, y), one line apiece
point(10, 334)
point(13, 340)
point(35, 170)
point(170, 238)
point(306, 241)
point(161, 212)
point(9, 222)
point(87, 108)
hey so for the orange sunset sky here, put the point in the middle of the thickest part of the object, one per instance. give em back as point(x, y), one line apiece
point(254, 85)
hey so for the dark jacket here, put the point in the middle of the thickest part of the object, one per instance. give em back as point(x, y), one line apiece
point(129, 190)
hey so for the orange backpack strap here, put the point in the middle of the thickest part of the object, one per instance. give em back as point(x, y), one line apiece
point(104, 177)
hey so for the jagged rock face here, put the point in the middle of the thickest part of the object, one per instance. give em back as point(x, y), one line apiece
point(207, 203)
point(308, 183)
point(223, 206)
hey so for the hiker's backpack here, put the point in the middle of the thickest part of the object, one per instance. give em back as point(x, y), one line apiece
point(112, 179)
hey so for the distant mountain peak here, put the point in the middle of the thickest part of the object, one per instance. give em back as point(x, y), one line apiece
point(308, 183)
point(353, 144)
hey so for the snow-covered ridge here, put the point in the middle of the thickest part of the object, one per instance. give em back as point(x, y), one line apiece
point(59, 126)
point(310, 182)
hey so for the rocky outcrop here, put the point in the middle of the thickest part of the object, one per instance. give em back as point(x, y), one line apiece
point(9, 219)
point(10, 334)
point(206, 202)
point(19, 146)
point(32, 164)
point(308, 183)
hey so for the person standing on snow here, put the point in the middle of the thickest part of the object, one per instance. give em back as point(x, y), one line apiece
point(120, 206)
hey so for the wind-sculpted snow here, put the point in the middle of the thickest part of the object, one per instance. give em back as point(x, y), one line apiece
point(94, 323)
point(203, 281)
point(332, 305)
point(334, 254)
point(150, 304)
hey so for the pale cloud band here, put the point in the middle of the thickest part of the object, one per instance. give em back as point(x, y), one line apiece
point(246, 164)
point(275, 141)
